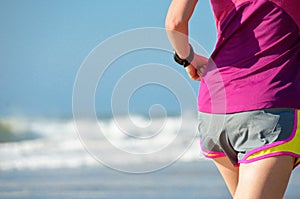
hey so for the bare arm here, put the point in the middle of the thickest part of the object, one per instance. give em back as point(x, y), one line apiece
point(177, 20)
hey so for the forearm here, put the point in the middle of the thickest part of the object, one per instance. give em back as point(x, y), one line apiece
point(179, 40)
point(177, 21)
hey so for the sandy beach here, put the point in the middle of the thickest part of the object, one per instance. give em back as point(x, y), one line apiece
point(181, 180)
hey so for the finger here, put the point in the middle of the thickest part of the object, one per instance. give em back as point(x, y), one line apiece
point(192, 72)
point(197, 79)
point(200, 68)
point(195, 76)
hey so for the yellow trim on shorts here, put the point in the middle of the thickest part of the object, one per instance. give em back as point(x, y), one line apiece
point(211, 155)
point(289, 147)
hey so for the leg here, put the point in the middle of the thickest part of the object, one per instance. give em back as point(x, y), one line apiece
point(229, 173)
point(264, 179)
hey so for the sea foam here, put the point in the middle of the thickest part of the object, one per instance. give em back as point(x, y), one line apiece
point(49, 143)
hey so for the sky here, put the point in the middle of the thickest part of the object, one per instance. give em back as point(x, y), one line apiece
point(44, 43)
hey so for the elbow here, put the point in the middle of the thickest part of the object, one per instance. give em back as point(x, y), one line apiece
point(175, 23)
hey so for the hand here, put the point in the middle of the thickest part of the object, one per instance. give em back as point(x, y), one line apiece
point(196, 68)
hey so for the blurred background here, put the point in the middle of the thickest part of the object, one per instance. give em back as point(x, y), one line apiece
point(43, 45)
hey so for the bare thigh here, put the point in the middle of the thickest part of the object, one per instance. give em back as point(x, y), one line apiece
point(229, 173)
point(264, 179)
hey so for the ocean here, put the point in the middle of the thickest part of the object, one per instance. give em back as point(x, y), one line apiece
point(120, 157)
point(50, 143)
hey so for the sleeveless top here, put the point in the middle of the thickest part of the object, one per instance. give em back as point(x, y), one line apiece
point(256, 60)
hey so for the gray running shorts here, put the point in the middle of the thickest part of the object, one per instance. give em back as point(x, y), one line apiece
point(249, 136)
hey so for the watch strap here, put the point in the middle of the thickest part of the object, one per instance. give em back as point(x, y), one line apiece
point(187, 61)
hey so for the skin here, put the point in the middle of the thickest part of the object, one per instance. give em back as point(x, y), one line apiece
point(177, 19)
point(229, 173)
point(263, 179)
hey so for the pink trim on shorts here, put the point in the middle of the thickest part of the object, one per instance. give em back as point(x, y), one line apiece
point(214, 153)
point(273, 155)
point(244, 160)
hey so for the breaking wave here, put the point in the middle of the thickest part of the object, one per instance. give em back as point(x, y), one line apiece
point(39, 143)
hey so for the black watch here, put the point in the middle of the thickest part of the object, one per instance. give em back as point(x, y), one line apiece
point(187, 61)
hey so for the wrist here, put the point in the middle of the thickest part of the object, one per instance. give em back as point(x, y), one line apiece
point(186, 61)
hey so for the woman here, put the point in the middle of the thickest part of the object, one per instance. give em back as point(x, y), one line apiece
point(250, 89)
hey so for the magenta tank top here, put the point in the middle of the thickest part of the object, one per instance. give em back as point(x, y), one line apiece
point(256, 61)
